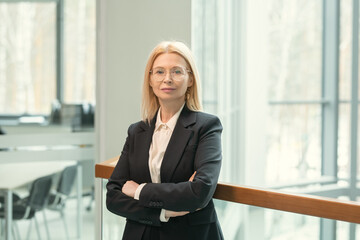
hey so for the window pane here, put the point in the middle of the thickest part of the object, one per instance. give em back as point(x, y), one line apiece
point(294, 132)
point(345, 83)
point(80, 70)
point(283, 225)
point(294, 143)
point(27, 57)
point(344, 141)
point(295, 44)
point(345, 50)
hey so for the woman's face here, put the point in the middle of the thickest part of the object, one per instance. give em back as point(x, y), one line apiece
point(170, 79)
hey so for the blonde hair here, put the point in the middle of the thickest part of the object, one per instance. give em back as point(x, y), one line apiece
point(150, 103)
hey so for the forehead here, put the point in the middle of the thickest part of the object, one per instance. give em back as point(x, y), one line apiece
point(169, 60)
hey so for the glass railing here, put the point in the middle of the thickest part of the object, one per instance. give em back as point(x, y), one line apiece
point(261, 214)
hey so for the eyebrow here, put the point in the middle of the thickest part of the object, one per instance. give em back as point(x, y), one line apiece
point(171, 67)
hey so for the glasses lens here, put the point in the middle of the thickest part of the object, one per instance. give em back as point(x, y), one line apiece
point(158, 74)
point(176, 73)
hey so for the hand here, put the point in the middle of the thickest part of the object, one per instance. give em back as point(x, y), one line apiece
point(192, 177)
point(169, 214)
point(129, 188)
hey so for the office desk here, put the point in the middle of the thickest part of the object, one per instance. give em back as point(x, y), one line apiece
point(14, 175)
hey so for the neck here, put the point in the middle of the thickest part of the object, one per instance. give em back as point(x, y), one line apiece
point(169, 109)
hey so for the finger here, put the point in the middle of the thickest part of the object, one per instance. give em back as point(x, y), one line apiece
point(169, 213)
point(192, 177)
point(179, 214)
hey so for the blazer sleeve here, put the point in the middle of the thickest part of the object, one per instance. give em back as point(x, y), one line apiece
point(119, 203)
point(189, 196)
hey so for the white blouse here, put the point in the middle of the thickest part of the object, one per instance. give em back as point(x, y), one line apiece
point(160, 141)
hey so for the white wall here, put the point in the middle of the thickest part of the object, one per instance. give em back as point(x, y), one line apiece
point(127, 32)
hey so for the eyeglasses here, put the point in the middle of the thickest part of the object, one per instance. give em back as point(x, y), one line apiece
point(177, 73)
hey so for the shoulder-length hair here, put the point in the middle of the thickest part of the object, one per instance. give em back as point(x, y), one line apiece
point(150, 103)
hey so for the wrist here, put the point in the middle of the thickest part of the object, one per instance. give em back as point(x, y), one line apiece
point(164, 216)
point(138, 191)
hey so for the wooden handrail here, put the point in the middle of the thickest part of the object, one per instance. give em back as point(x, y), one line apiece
point(323, 207)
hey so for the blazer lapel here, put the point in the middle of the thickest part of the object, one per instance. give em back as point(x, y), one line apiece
point(142, 143)
point(177, 144)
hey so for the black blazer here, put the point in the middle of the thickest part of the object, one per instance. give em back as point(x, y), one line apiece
point(195, 145)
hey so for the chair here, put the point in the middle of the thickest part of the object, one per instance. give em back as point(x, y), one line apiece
point(15, 198)
point(58, 199)
point(26, 208)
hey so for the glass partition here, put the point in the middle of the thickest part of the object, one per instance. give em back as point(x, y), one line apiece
point(113, 225)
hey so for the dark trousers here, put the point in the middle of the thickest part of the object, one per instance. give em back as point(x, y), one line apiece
point(151, 233)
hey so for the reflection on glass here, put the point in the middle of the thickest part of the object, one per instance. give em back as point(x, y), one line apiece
point(27, 57)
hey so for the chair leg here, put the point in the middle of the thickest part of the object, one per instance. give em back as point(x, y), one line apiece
point(13, 232)
point(17, 230)
point(37, 228)
point(29, 230)
point(46, 225)
point(2, 228)
point(65, 225)
point(92, 198)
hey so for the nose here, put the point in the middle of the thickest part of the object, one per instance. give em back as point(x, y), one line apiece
point(167, 78)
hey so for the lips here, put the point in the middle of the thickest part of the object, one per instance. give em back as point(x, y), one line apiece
point(167, 89)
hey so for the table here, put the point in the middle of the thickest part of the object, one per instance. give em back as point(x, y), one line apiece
point(14, 175)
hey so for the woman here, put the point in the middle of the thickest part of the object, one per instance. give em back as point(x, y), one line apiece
point(167, 173)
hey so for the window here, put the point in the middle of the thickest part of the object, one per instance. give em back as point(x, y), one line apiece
point(44, 56)
point(27, 57)
point(294, 127)
point(79, 51)
point(278, 73)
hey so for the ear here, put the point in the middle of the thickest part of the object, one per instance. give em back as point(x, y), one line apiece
point(190, 82)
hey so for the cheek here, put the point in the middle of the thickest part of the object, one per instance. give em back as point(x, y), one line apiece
point(186, 85)
point(184, 89)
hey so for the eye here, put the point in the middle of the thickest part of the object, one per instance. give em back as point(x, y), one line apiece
point(159, 71)
point(178, 71)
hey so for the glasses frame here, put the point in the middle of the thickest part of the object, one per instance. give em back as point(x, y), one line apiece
point(166, 72)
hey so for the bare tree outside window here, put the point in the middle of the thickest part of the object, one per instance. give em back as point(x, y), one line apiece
point(27, 53)
point(80, 70)
point(295, 45)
